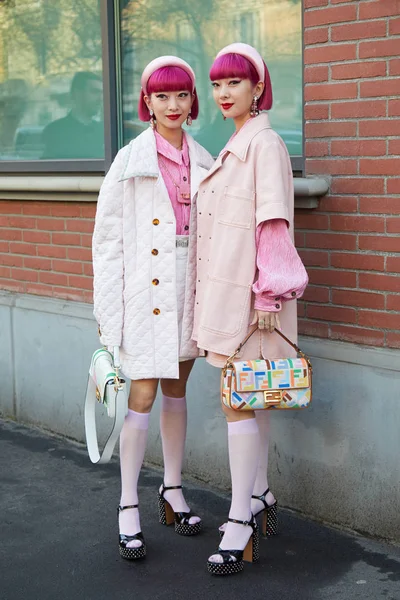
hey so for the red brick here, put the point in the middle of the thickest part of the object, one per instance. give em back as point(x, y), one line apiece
point(393, 340)
point(66, 239)
point(67, 266)
point(393, 185)
point(371, 281)
point(383, 320)
point(69, 209)
point(357, 299)
point(53, 278)
point(4, 221)
point(331, 91)
point(52, 251)
point(358, 109)
point(316, 74)
point(86, 241)
point(80, 225)
point(355, 185)
point(358, 31)
point(372, 89)
point(378, 8)
point(68, 294)
point(363, 262)
point(335, 241)
point(307, 220)
point(11, 260)
point(393, 264)
point(332, 313)
point(379, 128)
point(394, 67)
point(37, 237)
point(394, 26)
point(394, 108)
point(393, 225)
point(314, 112)
point(357, 335)
point(4, 247)
point(39, 289)
point(10, 207)
point(316, 293)
point(85, 283)
point(327, 16)
point(36, 208)
point(88, 210)
point(88, 297)
point(314, 258)
point(381, 166)
point(394, 146)
point(357, 223)
point(43, 264)
point(329, 54)
point(299, 239)
point(359, 70)
point(334, 278)
point(380, 205)
point(314, 3)
point(317, 148)
point(24, 275)
point(19, 248)
point(378, 48)
point(330, 129)
point(84, 254)
point(342, 204)
point(379, 243)
point(5, 272)
point(358, 148)
point(11, 286)
point(88, 269)
point(22, 222)
point(393, 302)
point(313, 329)
point(331, 166)
point(51, 224)
point(318, 35)
point(10, 234)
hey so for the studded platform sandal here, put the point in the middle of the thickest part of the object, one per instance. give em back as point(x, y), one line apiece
point(124, 550)
point(181, 519)
point(233, 560)
point(269, 515)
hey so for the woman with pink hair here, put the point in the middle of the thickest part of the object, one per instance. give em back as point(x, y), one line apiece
point(248, 271)
point(144, 257)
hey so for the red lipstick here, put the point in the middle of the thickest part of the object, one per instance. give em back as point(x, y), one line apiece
point(173, 117)
point(226, 106)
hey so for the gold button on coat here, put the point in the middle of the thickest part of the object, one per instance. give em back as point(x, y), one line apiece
point(156, 222)
point(155, 282)
point(154, 252)
point(156, 311)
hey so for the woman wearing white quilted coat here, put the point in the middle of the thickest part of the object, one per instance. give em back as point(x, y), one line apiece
point(144, 258)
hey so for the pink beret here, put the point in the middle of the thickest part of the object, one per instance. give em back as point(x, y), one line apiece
point(248, 52)
point(166, 61)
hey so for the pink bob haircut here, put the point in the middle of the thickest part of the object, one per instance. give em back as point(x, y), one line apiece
point(167, 79)
point(236, 65)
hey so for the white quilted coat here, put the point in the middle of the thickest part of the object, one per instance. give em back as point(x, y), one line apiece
point(134, 244)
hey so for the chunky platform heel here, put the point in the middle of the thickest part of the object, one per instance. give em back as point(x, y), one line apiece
point(269, 521)
point(233, 560)
point(124, 550)
point(181, 519)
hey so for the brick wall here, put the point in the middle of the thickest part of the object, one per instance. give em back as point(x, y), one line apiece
point(351, 244)
point(45, 248)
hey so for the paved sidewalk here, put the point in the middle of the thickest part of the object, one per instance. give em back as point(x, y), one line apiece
point(59, 539)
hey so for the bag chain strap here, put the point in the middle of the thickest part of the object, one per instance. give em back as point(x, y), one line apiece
point(246, 339)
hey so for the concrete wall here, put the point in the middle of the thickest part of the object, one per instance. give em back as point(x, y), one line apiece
point(337, 461)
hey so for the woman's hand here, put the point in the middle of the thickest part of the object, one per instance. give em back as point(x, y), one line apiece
point(268, 320)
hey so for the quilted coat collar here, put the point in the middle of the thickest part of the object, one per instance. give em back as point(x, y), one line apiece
point(141, 159)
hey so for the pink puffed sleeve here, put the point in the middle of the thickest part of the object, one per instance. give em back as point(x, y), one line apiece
point(281, 273)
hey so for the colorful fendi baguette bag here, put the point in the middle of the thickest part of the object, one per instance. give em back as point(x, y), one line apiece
point(265, 384)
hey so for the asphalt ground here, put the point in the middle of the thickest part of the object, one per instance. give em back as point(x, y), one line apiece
point(59, 539)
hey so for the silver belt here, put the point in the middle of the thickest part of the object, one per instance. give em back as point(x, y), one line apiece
point(182, 242)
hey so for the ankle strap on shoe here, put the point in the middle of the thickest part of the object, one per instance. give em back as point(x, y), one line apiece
point(120, 508)
point(249, 523)
point(262, 496)
point(171, 487)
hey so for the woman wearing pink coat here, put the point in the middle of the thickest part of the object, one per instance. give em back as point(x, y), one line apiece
point(248, 271)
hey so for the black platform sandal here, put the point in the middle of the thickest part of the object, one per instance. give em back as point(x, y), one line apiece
point(181, 519)
point(127, 552)
point(269, 515)
point(233, 560)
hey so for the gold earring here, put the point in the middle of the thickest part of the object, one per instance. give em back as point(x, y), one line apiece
point(189, 119)
point(254, 107)
point(152, 119)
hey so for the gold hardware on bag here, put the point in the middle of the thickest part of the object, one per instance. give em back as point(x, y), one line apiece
point(273, 397)
point(98, 396)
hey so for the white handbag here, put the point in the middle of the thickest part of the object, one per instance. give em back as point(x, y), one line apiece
point(105, 386)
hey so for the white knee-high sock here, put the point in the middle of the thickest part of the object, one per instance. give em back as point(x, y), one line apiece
point(173, 423)
point(243, 443)
point(133, 441)
point(261, 484)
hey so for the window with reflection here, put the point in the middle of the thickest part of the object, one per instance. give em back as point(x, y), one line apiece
point(195, 30)
point(50, 80)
